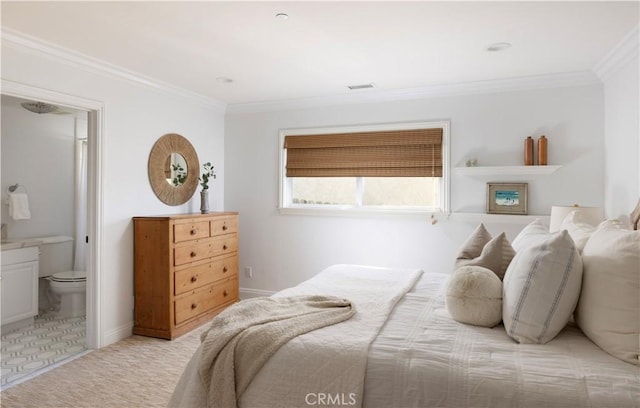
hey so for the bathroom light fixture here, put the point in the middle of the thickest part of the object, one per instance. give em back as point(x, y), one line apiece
point(282, 16)
point(39, 107)
point(499, 46)
point(361, 86)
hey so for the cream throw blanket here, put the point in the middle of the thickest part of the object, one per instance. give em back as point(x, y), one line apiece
point(244, 336)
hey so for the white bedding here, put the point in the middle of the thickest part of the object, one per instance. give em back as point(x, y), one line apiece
point(423, 358)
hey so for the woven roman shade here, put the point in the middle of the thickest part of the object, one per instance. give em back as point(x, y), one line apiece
point(395, 153)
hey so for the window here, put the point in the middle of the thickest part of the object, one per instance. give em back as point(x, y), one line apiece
point(395, 167)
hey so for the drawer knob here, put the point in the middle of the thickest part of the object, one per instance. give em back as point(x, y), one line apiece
point(224, 293)
point(224, 247)
point(193, 254)
point(194, 305)
point(225, 269)
point(193, 231)
point(224, 227)
point(194, 278)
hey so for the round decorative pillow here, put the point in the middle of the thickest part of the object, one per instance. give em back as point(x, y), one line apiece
point(474, 296)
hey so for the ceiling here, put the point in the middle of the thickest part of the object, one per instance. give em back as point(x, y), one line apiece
point(325, 46)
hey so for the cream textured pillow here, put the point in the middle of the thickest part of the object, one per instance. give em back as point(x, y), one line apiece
point(494, 254)
point(474, 296)
point(608, 311)
point(541, 288)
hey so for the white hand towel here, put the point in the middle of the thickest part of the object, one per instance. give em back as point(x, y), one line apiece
point(19, 206)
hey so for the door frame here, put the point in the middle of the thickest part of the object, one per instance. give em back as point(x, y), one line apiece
point(95, 193)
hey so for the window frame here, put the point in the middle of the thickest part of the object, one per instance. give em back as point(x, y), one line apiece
point(286, 206)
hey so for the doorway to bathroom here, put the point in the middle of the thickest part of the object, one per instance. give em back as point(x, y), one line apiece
point(87, 117)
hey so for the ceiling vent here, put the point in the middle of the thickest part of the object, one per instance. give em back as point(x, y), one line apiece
point(362, 86)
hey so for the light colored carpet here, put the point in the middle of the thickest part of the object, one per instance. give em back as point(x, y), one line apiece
point(133, 373)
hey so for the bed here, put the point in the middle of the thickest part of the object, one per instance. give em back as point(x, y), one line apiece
point(420, 357)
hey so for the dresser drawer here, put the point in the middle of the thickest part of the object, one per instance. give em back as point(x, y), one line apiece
point(224, 226)
point(204, 299)
point(201, 275)
point(191, 253)
point(224, 244)
point(190, 231)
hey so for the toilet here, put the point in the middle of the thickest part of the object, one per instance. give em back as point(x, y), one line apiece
point(67, 287)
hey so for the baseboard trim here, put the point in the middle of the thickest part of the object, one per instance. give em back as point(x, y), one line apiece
point(247, 293)
point(117, 334)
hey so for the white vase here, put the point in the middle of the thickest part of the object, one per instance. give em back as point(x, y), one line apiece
point(204, 201)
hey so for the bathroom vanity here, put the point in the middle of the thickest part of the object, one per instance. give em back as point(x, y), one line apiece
point(19, 283)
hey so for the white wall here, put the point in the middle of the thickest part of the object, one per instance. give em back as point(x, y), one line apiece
point(38, 154)
point(286, 249)
point(136, 115)
point(622, 139)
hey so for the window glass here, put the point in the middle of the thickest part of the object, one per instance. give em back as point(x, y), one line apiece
point(323, 190)
point(402, 191)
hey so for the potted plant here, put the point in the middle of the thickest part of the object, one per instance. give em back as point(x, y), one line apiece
point(208, 173)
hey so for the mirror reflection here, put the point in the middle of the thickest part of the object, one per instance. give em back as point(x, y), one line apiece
point(175, 169)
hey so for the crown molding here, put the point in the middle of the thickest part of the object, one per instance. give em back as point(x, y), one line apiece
point(21, 41)
point(623, 52)
point(434, 91)
point(626, 50)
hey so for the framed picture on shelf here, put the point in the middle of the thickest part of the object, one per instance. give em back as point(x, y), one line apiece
point(507, 198)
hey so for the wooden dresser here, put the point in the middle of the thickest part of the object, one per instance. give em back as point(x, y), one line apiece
point(185, 271)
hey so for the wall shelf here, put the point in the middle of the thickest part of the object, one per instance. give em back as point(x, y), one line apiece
point(507, 170)
point(497, 218)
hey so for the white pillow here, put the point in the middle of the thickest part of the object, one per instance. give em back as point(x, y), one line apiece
point(541, 288)
point(531, 234)
point(608, 311)
point(474, 296)
point(580, 230)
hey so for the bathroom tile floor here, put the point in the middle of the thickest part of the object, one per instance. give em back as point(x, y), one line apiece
point(37, 348)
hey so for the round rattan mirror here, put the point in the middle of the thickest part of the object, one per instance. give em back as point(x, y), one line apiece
point(173, 169)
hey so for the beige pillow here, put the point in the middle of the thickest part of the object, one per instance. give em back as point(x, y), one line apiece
point(495, 254)
point(474, 296)
point(541, 288)
point(472, 247)
point(608, 311)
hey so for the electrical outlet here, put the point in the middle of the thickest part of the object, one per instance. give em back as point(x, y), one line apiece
point(248, 272)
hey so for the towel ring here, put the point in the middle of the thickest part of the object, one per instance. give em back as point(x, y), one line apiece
point(12, 188)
